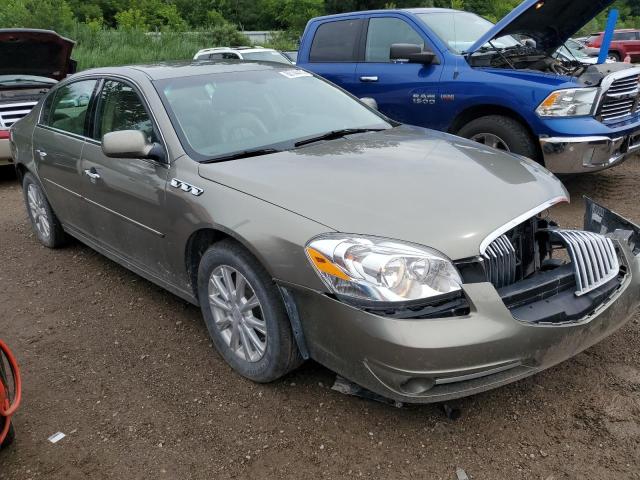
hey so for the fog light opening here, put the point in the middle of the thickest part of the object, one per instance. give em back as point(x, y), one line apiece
point(417, 385)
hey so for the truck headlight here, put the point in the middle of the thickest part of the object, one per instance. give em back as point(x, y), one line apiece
point(574, 102)
point(381, 270)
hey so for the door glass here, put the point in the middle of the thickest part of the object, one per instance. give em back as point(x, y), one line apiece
point(336, 42)
point(120, 108)
point(384, 32)
point(622, 36)
point(69, 108)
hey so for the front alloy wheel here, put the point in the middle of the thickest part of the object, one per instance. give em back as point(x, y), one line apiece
point(237, 313)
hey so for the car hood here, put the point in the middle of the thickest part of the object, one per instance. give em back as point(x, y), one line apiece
point(40, 53)
point(405, 183)
point(550, 23)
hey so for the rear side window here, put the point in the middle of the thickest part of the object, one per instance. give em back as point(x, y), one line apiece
point(69, 107)
point(384, 32)
point(336, 41)
point(621, 36)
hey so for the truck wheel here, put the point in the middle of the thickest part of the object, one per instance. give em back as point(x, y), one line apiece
point(245, 314)
point(501, 132)
point(615, 56)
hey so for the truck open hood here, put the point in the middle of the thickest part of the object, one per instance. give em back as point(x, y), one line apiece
point(43, 53)
point(405, 183)
point(549, 22)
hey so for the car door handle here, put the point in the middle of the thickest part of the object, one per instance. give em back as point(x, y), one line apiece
point(92, 174)
point(42, 153)
point(369, 79)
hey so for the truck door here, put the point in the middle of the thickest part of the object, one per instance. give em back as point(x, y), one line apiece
point(406, 92)
point(334, 51)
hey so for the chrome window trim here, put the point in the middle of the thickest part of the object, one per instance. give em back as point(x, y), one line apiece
point(519, 219)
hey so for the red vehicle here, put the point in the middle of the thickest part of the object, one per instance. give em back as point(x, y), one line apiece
point(625, 43)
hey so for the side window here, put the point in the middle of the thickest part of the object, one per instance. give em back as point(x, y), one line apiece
point(624, 36)
point(336, 42)
point(120, 108)
point(384, 32)
point(69, 107)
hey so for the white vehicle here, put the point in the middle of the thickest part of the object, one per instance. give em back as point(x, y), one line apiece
point(242, 53)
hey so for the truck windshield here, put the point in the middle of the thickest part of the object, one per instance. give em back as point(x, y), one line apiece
point(220, 115)
point(460, 30)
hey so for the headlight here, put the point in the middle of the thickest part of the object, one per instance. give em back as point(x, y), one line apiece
point(574, 102)
point(380, 270)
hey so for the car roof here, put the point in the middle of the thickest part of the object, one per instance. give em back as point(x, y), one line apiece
point(161, 71)
point(405, 10)
point(235, 49)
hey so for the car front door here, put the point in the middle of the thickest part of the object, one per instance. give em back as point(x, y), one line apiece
point(406, 92)
point(334, 52)
point(58, 141)
point(126, 195)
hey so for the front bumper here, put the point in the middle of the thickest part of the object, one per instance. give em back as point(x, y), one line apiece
point(433, 360)
point(5, 153)
point(568, 155)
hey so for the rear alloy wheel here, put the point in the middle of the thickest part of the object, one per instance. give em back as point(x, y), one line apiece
point(245, 314)
point(45, 223)
point(502, 133)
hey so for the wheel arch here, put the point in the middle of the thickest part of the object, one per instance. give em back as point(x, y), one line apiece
point(203, 238)
point(479, 111)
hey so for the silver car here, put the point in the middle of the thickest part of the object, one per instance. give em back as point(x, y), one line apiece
point(304, 224)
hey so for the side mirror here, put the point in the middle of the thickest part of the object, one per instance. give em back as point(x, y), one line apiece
point(412, 53)
point(130, 144)
point(370, 102)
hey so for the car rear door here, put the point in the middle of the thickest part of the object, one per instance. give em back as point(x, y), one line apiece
point(406, 92)
point(58, 141)
point(334, 51)
point(126, 195)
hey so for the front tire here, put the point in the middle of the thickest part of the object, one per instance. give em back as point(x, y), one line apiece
point(244, 313)
point(45, 224)
point(502, 133)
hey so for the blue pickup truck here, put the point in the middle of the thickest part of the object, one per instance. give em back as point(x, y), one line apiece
point(502, 85)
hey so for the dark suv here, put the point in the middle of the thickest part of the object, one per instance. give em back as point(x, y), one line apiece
point(625, 43)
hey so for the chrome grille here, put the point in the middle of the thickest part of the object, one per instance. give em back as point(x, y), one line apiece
point(500, 262)
point(620, 100)
point(594, 258)
point(12, 112)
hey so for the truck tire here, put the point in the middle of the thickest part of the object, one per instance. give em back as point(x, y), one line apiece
point(503, 133)
point(615, 56)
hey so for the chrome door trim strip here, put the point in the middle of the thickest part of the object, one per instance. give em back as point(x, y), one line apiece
point(124, 217)
point(75, 194)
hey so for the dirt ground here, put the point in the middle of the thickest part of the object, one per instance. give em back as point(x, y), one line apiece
point(127, 372)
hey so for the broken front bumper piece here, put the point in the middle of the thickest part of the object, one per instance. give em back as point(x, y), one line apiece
point(438, 359)
point(567, 155)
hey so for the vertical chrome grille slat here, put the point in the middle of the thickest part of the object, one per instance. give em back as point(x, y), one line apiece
point(500, 262)
point(594, 258)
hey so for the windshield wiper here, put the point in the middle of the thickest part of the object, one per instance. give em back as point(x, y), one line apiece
point(244, 154)
point(332, 135)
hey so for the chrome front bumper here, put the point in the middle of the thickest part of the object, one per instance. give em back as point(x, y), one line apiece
point(567, 155)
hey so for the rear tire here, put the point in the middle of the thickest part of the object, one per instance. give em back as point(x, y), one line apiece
point(257, 342)
point(45, 224)
point(511, 135)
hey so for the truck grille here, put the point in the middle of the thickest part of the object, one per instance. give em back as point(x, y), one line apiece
point(12, 112)
point(621, 99)
point(500, 262)
point(593, 256)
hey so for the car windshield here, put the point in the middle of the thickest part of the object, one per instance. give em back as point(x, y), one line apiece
point(25, 79)
point(573, 49)
point(460, 30)
point(267, 56)
point(218, 115)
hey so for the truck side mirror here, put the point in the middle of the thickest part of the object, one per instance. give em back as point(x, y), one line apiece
point(413, 54)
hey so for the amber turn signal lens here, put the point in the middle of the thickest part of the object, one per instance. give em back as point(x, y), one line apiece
point(325, 265)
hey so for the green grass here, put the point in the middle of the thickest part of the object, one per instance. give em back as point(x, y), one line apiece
point(100, 48)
